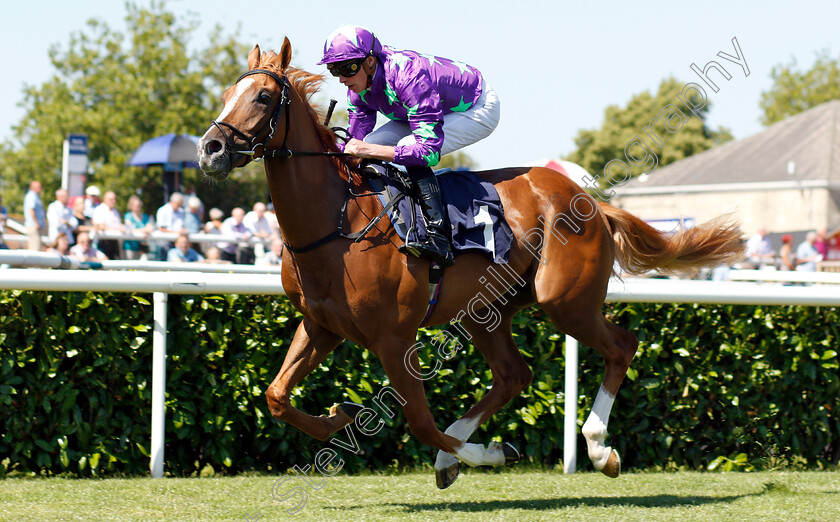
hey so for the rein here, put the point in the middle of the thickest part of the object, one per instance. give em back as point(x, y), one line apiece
point(259, 152)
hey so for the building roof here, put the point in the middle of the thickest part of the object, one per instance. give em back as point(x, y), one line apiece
point(809, 139)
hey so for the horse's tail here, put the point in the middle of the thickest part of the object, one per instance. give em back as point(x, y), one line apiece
point(641, 248)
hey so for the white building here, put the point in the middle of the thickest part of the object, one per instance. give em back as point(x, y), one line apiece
point(785, 178)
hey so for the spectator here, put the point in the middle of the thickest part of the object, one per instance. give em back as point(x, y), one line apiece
point(137, 223)
point(258, 225)
point(91, 200)
point(83, 223)
point(107, 220)
point(759, 249)
point(60, 218)
point(4, 215)
point(275, 256)
point(257, 222)
point(214, 226)
point(271, 216)
point(170, 218)
point(35, 218)
point(191, 194)
point(807, 255)
point(214, 256)
point(821, 244)
point(182, 253)
point(192, 218)
point(788, 260)
point(61, 245)
point(84, 250)
point(233, 226)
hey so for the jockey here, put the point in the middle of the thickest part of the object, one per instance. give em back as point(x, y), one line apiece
point(436, 106)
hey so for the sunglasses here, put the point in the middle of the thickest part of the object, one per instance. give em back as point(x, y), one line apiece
point(345, 69)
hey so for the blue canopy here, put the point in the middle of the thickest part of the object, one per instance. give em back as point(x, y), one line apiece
point(171, 148)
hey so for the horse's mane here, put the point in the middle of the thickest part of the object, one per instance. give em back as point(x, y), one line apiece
point(306, 85)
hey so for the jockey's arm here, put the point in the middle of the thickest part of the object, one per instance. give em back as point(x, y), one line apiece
point(360, 149)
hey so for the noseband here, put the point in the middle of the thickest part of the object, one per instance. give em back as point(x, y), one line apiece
point(258, 150)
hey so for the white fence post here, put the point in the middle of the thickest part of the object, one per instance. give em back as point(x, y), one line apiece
point(570, 418)
point(158, 383)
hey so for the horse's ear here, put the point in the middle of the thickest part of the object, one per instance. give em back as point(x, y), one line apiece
point(285, 54)
point(254, 58)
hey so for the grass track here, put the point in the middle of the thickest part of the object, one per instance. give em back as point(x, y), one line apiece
point(479, 496)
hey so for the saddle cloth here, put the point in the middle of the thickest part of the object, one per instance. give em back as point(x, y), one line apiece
point(475, 214)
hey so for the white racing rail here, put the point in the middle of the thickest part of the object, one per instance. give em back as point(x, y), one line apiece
point(785, 277)
point(163, 283)
point(31, 258)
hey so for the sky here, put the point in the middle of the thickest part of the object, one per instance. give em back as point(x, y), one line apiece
point(555, 65)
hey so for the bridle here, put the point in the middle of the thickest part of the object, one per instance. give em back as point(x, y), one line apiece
point(259, 151)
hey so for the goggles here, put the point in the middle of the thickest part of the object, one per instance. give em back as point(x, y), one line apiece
point(346, 69)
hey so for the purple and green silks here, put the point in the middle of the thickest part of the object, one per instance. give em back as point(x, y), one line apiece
point(419, 89)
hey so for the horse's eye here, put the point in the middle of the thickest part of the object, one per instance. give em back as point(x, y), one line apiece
point(264, 98)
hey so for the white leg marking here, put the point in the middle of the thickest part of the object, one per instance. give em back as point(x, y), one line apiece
point(478, 455)
point(595, 429)
point(444, 460)
point(461, 429)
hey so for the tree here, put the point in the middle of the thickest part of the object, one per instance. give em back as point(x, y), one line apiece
point(457, 160)
point(121, 90)
point(794, 91)
point(597, 147)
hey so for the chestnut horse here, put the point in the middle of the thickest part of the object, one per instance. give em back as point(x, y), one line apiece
point(366, 291)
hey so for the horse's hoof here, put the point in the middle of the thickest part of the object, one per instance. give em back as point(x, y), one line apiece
point(446, 476)
point(511, 453)
point(612, 468)
point(348, 409)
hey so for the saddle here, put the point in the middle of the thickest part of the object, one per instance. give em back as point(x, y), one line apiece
point(474, 212)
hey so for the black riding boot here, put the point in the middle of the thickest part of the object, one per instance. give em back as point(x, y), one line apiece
point(436, 246)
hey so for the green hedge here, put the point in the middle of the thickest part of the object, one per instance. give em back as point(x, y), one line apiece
point(711, 387)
